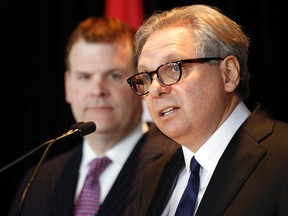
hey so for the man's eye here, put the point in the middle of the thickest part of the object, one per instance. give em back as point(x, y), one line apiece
point(148, 78)
point(83, 76)
point(116, 76)
point(176, 68)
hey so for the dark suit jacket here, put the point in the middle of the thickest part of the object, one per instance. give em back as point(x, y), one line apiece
point(251, 177)
point(52, 191)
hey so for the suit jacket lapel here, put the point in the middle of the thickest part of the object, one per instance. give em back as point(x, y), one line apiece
point(166, 183)
point(118, 197)
point(241, 157)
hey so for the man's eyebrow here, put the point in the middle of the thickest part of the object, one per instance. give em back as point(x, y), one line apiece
point(165, 59)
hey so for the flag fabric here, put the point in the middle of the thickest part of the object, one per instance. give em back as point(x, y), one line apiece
point(130, 11)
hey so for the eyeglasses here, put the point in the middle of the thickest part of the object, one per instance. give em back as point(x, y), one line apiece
point(168, 74)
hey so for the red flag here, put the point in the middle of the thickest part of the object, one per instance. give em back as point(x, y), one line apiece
point(130, 11)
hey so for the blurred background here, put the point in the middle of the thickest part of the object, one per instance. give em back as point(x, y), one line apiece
point(33, 37)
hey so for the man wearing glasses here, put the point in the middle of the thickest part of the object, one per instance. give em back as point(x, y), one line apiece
point(193, 75)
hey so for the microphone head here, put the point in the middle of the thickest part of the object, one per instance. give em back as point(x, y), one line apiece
point(85, 128)
point(75, 126)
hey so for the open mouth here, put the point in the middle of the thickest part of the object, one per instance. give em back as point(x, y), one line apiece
point(167, 111)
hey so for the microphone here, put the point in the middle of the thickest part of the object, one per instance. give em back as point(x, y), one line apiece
point(82, 129)
point(77, 129)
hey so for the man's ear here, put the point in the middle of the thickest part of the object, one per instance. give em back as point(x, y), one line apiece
point(231, 73)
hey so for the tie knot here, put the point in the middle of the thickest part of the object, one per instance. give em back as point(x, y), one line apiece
point(194, 165)
point(97, 165)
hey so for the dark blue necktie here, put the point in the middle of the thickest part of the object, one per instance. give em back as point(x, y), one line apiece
point(187, 203)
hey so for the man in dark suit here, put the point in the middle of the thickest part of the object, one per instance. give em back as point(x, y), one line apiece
point(100, 57)
point(193, 74)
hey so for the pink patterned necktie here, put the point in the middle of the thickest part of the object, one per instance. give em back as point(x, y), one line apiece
point(88, 202)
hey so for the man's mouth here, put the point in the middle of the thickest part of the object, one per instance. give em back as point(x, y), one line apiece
point(167, 111)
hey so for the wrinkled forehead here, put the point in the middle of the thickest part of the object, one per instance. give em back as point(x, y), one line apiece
point(166, 45)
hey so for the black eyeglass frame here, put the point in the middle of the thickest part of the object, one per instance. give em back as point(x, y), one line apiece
point(179, 63)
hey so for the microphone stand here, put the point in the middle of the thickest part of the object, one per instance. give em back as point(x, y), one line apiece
point(78, 129)
point(73, 127)
point(24, 194)
point(26, 189)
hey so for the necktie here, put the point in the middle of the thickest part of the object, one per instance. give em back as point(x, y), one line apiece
point(88, 202)
point(187, 203)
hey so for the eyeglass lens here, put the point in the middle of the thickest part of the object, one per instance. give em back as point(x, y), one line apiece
point(168, 74)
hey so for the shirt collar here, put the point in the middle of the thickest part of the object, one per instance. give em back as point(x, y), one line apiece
point(210, 152)
point(123, 148)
